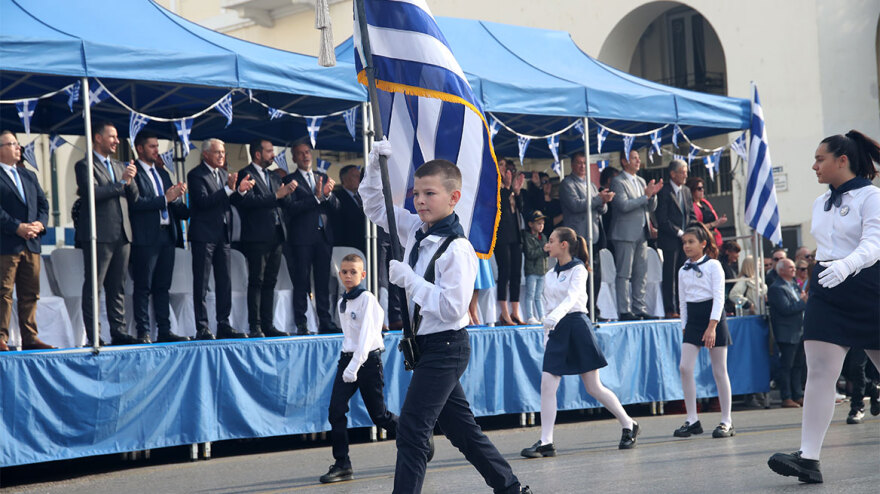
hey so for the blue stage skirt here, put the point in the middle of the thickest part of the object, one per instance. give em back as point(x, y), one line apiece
point(698, 320)
point(572, 347)
point(485, 278)
point(847, 314)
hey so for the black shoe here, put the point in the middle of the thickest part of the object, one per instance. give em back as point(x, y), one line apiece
point(626, 316)
point(123, 339)
point(874, 394)
point(90, 344)
point(170, 337)
point(204, 334)
point(688, 429)
point(275, 332)
point(537, 451)
point(430, 448)
point(628, 437)
point(337, 474)
point(855, 417)
point(144, 339)
point(723, 430)
point(256, 333)
point(226, 331)
point(792, 464)
point(525, 490)
point(645, 317)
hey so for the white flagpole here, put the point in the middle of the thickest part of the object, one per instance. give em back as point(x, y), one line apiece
point(592, 277)
point(371, 253)
point(90, 204)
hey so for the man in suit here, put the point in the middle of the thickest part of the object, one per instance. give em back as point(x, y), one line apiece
point(311, 238)
point(350, 224)
point(210, 232)
point(24, 212)
point(573, 196)
point(114, 190)
point(787, 303)
point(154, 216)
point(633, 201)
point(675, 210)
point(263, 232)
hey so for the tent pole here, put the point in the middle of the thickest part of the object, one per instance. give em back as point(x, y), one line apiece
point(592, 277)
point(90, 204)
point(371, 253)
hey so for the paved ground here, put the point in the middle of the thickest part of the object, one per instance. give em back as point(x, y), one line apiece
point(588, 461)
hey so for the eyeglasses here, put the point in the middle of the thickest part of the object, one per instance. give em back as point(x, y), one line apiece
point(801, 269)
point(698, 188)
point(809, 256)
point(13, 144)
point(777, 259)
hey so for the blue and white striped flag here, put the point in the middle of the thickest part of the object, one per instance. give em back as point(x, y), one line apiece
point(553, 144)
point(73, 91)
point(711, 163)
point(523, 143)
point(136, 122)
point(322, 165)
point(27, 153)
point(692, 154)
point(739, 146)
point(281, 160)
point(429, 111)
point(676, 131)
point(184, 127)
point(579, 126)
point(275, 113)
point(224, 106)
point(762, 211)
point(628, 145)
point(350, 117)
point(168, 158)
point(313, 124)
point(493, 127)
point(602, 164)
point(55, 142)
point(26, 110)
point(98, 94)
point(600, 138)
point(655, 142)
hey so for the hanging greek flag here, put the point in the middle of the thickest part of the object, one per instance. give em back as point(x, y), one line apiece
point(168, 158)
point(98, 94)
point(678, 157)
point(600, 138)
point(184, 127)
point(274, 113)
point(493, 127)
point(281, 160)
point(692, 154)
point(351, 116)
point(27, 153)
point(553, 143)
point(429, 111)
point(523, 144)
point(655, 142)
point(709, 163)
point(627, 145)
point(313, 124)
point(579, 126)
point(322, 165)
point(55, 142)
point(762, 211)
point(739, 146)
point(26, 112)
point(250, 94)
point(73, 91)
point(135, 123)
point(676, 131)
point(224, 106)
point(602, 164)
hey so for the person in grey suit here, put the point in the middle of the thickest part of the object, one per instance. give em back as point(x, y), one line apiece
point(675, 211)
point(633, 201)
point(114, 189)
point(787, 305)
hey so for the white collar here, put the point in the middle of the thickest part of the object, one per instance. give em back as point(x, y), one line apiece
point(8, 168)
point(675, 187)
point(101, 157)
point(145, 165)
point(630, 176)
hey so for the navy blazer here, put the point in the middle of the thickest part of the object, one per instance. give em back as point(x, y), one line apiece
point(258, 207)
point(209, 207)
point(145, 211)
point(350, 222)
point(786, 312)
point(14, 211)
point(303, 212)
point(670, 215)
point(111, 202)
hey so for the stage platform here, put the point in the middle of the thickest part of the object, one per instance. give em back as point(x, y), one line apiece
point(64, 404)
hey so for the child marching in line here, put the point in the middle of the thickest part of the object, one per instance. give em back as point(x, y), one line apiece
point(535, 267)
point(570, 346)
point(360, 365)
point(701, 301)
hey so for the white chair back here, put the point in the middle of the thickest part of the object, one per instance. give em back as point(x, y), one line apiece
point(67, 267)
point(284, 282)
point(181, 277)
point(238, 272)
point(653, 285)
point(45, 287)
point(606, 299)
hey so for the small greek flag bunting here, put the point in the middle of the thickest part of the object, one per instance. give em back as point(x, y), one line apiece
point(678, 157)
point(579, 126)
point(184, 127)
point(322, 165)
point(716, 160)
point(351, 116)
point(250, 95)
point(600, 138)
point(273, 113)
point(73, 91)
point(98, 94)
point(553, 143)
point(135, 123)
point(168, 158)
point(281, 160)
point(692, 154)
point(627, 145)
point(708, 161)
point(676, 131)
point(225, 107)
point(55, 142)
point(739, 146)
point(602, 164)
point(25, 112)
point(28, 153)
point(523, 143)
point(655, 141)
point(313, 124)
point(493, 128)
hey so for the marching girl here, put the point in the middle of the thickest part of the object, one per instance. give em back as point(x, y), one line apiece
point(570, 346)
point(701, 299)
point(843, 309)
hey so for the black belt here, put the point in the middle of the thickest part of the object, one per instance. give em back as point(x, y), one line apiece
point(164, 227)
point(376, 353)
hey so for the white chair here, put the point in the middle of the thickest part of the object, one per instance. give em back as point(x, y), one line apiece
point(653, 285)
point(283, 318)
point(181, 294)
point(606, 299)
point(53, 321)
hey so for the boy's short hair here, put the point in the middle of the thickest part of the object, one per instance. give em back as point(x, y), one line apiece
point(353, 258)
point(446, 170)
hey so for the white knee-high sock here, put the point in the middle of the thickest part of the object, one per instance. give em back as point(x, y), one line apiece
point(718, 356)
point(606, 397)
point(824, 362)
point(549, 385)
point(689, 354)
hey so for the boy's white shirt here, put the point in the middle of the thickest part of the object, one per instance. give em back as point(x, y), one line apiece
point(443, 303)
point(361, 328)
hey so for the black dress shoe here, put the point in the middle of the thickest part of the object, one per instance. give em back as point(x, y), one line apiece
point(525, 490)
point(171, 338)
point(226, 331)
point(874, 393)
point(793, 464)
point(626, 316)
point(275, 332)
point(628, 437)
point(256, 334)
point(430, 448)
point(645, 317)
point(337, 474)
point(123, 339)
point(723, 430)
point(144, 339)
point(90, 344)
point(537, 451)
point(204, 334)
point(689, 429)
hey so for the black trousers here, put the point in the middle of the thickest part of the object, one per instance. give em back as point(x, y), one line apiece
point(673, 260)
point(509, 258)
point(263, 260)
point(112, 263)
point(854, 372)
point(371, 383)
point(205, 257)
point(435, 396)
point(383, 261)
point(314, 260)
point(790, 372)
point(152, 267)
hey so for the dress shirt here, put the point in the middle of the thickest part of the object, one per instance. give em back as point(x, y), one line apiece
point(310, 178)
point(15, 176)
point(157, 188)
point(566, 291)
point(854, 235)
point(361, 327)
point(702, 285)
point(444, 303)
point(215, 176)
point(676, 191)
point(634, 180)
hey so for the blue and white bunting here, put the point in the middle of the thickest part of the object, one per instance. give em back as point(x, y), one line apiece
point(168, 158)
point(26, 110)
point(601, 165)
point(655, 142)
point(274, 113)
point(680, 157)
point(692, 154)
point(601, 135)
point(73, 91)
point(313, 124)
point(557, 168)
point(27, 153)
point(224, 106)
point(55, 142)
point(762, 210)
point(98, 94)
point(676, 130)
point(281, 159)
point(493, 127)
point(184, 127)
point(579, 126)
point(553, 144)
point(523, 143)
point(739, 147)
point(711, 165)
point(135, 123)
point(322, 165)
point(351, 116)
point(628, 145)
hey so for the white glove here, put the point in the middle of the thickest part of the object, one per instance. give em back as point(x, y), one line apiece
point(400, 274)
point(349, 375)
point(383, 148)
point(835, 272)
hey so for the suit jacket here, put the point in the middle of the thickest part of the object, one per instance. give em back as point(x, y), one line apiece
point(112, 198)
point(573, 196)
point(786, 311)
point(304, 210)
point(14, 211)
point(673, 216)
point(145, 211)
point(209, 206)
point(258, 208)
point(631, 207)
point(349, 225)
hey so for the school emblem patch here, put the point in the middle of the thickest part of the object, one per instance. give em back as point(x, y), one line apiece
point(354, 315)
point(844, 211)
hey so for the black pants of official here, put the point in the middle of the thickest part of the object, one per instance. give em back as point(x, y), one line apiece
point(673, 260)
point(371, 383)
point(263, 260)
point(435, 396)
point(509, 258)
point(314, 260)
point(205, 258)
point(789, 376)
point(152, 267)
point(112, 264)
point(854, 372)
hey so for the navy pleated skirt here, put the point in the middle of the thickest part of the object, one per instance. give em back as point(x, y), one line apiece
point(848, 314)
point(572, 347)
point(698, 320)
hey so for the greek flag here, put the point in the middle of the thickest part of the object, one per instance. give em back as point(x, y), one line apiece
point(98, 94)
point(553, 143)
point(184, 127)
point(135, 123)
point(523, 143)
point(429, 111)
point(579, 126)
point(26, 112)
point(225, 108)
point(73, 91)
point(168, 158)
point(275, 113)
point(28, 153)
point(676, 131)
point(601, 165)
point(313, 124)
point(351, 116)
point(712, 163)
point(628, 145)
point(739, 146)
point(281, 160)
point(678, 157)
point(55, 142)
point(762, 212)
point(322, 165)
point(655, 143)
point(692, 154)
point(600, 139)
point(493, 127)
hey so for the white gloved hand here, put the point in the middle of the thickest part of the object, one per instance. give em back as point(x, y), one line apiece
point(400, 273)
point(834, 273)
point(382, 148)
point(349, 375)
point(549, 324)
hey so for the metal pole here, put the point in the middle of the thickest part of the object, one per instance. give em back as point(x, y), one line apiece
point(370, 261)
point(761, 274)
point(90, 204)
point(592, 277)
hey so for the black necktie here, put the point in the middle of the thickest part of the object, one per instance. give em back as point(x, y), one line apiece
point(351, 295)
point(446, 227)
point(836, 197)
point(696, 265)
